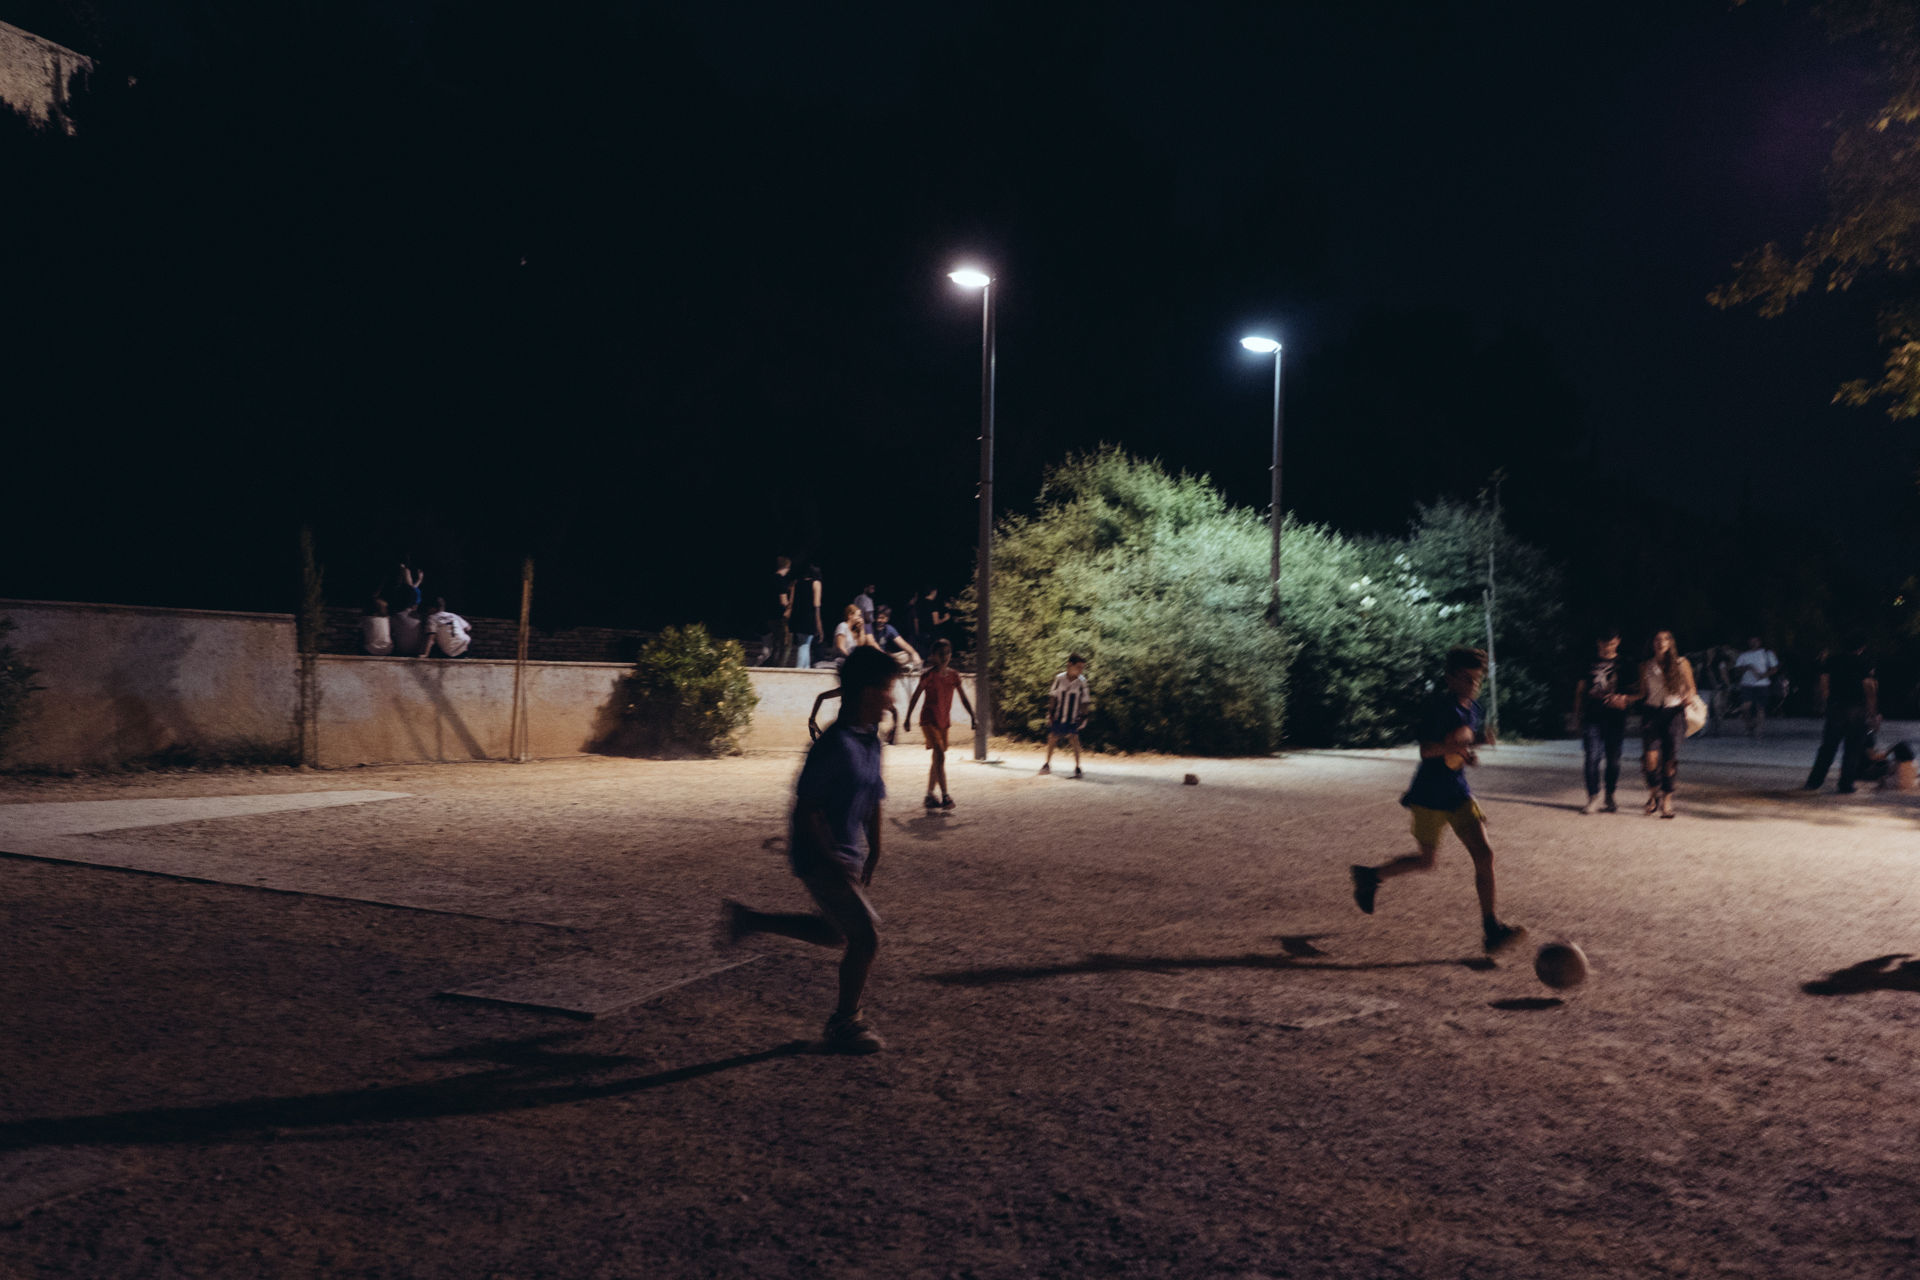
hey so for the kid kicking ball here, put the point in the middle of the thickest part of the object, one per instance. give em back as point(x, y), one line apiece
point(1561, 965)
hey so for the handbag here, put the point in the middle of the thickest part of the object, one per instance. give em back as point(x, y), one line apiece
point(1695, 711)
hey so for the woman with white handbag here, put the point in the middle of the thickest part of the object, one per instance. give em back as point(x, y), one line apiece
point(1671, 710)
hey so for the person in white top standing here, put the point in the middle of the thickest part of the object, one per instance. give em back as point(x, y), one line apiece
point(1757, 667)
point(1069, 703)
point(446, 631)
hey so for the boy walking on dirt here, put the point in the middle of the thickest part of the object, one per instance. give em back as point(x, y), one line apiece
point(1440, 798)
point(836, 804)
point(1069, 703)
point(939, 682)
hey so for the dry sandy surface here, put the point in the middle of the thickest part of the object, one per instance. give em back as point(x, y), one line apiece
point(1134, 1028)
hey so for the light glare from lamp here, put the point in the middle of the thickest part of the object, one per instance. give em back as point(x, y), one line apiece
point(970, 278)
point(1265, 346)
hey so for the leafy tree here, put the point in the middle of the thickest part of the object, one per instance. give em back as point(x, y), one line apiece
point(688, 692)
point(1159, 582)
point(1447, 550)
point(1872, 226)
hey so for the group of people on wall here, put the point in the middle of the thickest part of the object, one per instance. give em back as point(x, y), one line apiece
point(796, 633)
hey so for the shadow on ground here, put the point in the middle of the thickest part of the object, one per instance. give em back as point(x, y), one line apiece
point(1290, 959)
point(531, 1073)
point(1877, 974)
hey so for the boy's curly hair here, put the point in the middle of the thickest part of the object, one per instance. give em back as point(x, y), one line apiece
point(1464, 657)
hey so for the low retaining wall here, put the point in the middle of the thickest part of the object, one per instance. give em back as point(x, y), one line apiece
point(125, 685)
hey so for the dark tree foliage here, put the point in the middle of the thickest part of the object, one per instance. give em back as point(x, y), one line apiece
point(1872, 228)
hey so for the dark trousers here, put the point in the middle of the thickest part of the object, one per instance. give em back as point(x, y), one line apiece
point(1846, 731)
point(1661, 729)
point(1602, 735)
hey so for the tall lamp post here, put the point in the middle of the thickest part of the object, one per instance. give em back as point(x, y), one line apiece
point(1265, 346)
point(972, 278)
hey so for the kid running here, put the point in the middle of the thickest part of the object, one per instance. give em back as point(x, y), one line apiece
point(1440, 798)
point(1069, 703)
point(939, 682)
point(836, 800)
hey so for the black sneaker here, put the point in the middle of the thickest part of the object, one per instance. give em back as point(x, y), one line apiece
point(946, 802)
point(1046, 768)
point(850, 1035)
point(1076, 771)
point(1366, 883)
point(1498, 937)
point(930, 801)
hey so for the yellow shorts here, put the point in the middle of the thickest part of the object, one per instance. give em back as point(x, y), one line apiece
point(1430, 824)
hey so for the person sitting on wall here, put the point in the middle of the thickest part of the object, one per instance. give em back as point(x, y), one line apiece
point(376, 628)
point(408, 635)
point(446, 631)
point(891, 642)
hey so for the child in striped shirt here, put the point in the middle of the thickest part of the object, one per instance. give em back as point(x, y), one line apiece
point(1069, 703)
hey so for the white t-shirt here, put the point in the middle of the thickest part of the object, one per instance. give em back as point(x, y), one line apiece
point(376, 634)
point(451, 632)
point(1753, 666)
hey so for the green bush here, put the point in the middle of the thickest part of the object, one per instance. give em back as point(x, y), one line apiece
point(16, 687)
point(687, 693)
point(1163, 586)
point(1369, 638)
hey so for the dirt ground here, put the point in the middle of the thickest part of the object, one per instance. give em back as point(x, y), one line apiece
point(1134, 1028)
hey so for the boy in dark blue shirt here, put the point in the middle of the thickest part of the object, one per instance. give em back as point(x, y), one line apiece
point(836, 804)
point(1440, 798)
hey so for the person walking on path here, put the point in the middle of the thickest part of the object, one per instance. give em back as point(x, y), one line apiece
point(1757, 667)
point(1852, 697)
point(939, 682)
point(1666, 682)
point(1439, 798)
point(804, 615)
point(1600, 715)
point(1069, 703)
point(837, 806)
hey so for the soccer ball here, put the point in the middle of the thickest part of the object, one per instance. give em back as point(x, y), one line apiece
point(1561, 965)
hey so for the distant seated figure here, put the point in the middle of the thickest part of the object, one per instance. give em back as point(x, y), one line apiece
point(888, 637)
point(406, 630)
point(447, 631)
point(376, 629)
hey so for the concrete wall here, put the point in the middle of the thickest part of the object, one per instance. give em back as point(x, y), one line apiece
point(34, 73)
point(391, 710)
point(125, 684)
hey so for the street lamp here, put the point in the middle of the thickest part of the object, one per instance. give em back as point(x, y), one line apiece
point(1264, 346)
point(973, 278)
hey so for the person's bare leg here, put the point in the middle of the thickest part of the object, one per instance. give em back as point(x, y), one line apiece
point(1075, 738)
point(1052, 739)
point(1650, 766)
point(940, 771)
point(802, 926)
point(1407, 863)
point(863, 943)
point(1482, 854)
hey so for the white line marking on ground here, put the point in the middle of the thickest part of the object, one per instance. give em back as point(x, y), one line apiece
point(80, 817)
point(588, 986)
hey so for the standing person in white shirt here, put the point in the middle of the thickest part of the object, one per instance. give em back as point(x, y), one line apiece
point(1069, 703)
point(446, 631)
point(1757, 666)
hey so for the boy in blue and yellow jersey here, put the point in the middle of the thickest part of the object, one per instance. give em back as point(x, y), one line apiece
point(1450, 726)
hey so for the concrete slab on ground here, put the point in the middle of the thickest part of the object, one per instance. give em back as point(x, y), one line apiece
point(594, 986)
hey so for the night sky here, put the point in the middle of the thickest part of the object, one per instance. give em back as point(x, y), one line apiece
point(654, 291)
